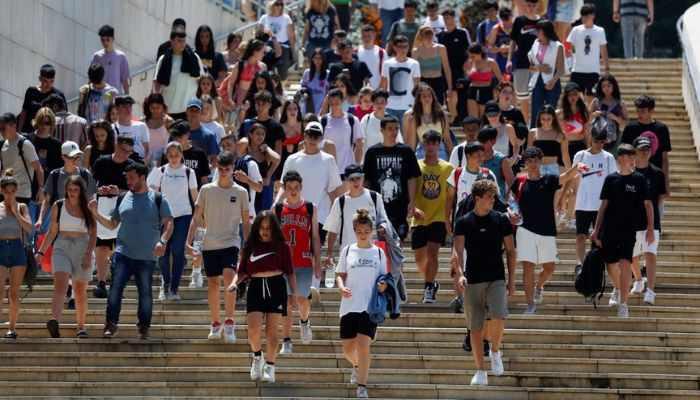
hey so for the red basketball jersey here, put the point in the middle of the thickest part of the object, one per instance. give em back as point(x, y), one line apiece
point(296, 226)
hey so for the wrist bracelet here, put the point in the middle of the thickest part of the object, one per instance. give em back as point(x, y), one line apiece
point(41, 253)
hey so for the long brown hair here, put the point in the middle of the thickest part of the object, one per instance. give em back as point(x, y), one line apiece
point(77, 180)
point(436, 113)
point(253, 238)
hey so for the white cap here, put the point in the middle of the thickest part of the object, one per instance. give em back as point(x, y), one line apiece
point(70, 149)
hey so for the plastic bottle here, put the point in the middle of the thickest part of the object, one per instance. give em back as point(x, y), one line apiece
point(330, 277)
point(197, 242)
point(515, 208)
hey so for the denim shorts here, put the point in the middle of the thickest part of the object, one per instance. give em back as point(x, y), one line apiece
point(549, 169)
point(12, 253)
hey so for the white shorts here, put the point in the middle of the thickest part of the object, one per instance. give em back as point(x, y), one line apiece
point(535, 248)
point(641, 245)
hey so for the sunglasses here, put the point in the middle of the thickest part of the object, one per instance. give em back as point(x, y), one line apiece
point(44, 122)
point(278, 4)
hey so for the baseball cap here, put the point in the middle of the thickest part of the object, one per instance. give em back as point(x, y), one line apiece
point(195, 102)
point(314, 129)
point(354, 171)
point(641, 141)
point(492, 108)
point(70, 149)
point(571, 86)
point(123, 100)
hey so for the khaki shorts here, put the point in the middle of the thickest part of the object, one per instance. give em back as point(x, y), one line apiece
point(485, 298)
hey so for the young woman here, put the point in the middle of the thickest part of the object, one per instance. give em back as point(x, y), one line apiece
point(506, 138)
point(482, 70)
point(243, 72)
point(213, 61)
point(209, 119)
point(264, 156)
point(179, 184)
point(433, 60)
point(291, 123)
point(112, 115)
point(320, 21)
point(233, 52)
point(280, 23)
point(343, 83)
point(101, 138)
point(315, 79)
point(262, 81)
point(155, 115)
point(426, 115)
point(609, 111)
point(75, 233)
point(359, 267)
point(14, 219)
point(206, 86)
point(546, 67)
point(278, 92)
point(265, 259)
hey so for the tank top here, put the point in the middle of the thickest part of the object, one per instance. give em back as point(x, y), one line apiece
point(9, 226)
point(433, 126)
point(494, 164)
point(159, 139)
point(550, 148)
point(502, 140)
point(574, 127)
point(295, 222)
point(480, 77)
point(431, 64)
point(249, 71)
point(69, 223)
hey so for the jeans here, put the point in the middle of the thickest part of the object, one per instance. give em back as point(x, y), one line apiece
point(542, 96)
point(388, 18)
point(176, 247)
point(285, 61)
point(398, 114)
point(123, 268)
point(633, 28)
point(267, 194)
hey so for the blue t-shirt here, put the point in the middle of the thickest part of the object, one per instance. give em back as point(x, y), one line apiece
point(139, 231)
point(205, 140)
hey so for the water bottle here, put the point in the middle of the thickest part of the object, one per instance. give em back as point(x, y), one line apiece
point(514, 208)
point(330, 277)
point(197, 242)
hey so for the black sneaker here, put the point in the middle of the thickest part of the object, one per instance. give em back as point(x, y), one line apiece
point(143, 332)
point(110, 330)
point(71, 304)
point(53, 328)
point(457, 305)
point(100, 290)
point(487, 348)
point(467, 343)
point(436, 286)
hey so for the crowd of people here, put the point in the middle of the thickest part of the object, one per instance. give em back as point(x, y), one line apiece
point(223, 167)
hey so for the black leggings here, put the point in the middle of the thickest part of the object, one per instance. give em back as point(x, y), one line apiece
point(438, 85)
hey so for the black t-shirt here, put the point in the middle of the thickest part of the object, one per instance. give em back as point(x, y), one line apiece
point(456, 44)
point(523, 33)
point(483, 241)
point(656, 184)
point(213, 63)
point(48, 150)
point(273, 131)
point(658, 133)
point(107, 172)
point(388, 169)
point(358, 72)
point(333, 57)
point(196, 160)
point(537, 204)
point(32, 103)
point(625, 213)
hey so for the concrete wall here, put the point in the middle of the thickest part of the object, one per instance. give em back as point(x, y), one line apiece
point(64, 33)
point(691, 69)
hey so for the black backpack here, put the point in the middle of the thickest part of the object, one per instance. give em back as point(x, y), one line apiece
point(85, 174)
point(242, 164)
point(589, 279)
point(351, 122)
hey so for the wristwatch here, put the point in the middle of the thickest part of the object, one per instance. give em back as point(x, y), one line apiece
point(163, 242)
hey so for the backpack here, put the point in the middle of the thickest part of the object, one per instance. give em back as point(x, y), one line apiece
point(460, 206)
point(187, 176)
point(20, 147)
point(85, 174)
point(242, 164)
point(589, 278)
point(222, 90)
point(351, 121)
point(341, 203)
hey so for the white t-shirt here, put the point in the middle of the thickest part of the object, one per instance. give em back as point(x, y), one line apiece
point(400, 77)
point(10, 158)
point(465, 182)
point(137, 131)
point(371, 127)
point(338, 130)
point(388, 4)
point(352, 204)
point(215, 128)
point(587, 44)
point(182, 85)
point(373, 58)
point(278, 25)
point(363, 267)
point(320, 174)
point(254, 175)
point(174, 186)
point(599, 166)
point(438, 25)
point(454, 156)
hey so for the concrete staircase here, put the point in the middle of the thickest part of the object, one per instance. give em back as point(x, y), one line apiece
point(569, 350)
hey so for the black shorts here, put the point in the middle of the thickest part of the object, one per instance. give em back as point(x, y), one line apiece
point(617, 249)
point(586, 82)
point(216, 260)
point(584, 221)
point(575, 146)
point(353, 323)
point(433, 233)
point(109, 243)
point(322, 233)
point(480, 94)
point(400, 226)
point(267, 295)
point(438, 85)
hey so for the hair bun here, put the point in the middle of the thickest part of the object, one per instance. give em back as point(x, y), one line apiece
point(9, 172)
point(362, 213)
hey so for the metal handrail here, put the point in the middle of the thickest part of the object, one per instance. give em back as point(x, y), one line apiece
point(692, 69)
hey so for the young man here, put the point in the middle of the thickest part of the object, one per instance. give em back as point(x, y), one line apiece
point(68, 125)
point(299, 222)
point(108, 172)
point(201, 137)
point(391, 169)
point(406, 26)
point(470, 127)
point(495, 160)
point(625, 209)
point(656, 185)
point(179, 24)
point(483, 30)
point(536, 237)
point(140, 241)
point(483, 233)
point(390, 11)
point(114, 61)
point(359, 72)
point(589, 44)
point(333, 53)
point(47, 147)
point(137, 130)
point(634, 16)
point(399, 76)
point(35, 95)
point(433, 18)
point(599, 164)
point(221, 206)
point(456, 41)
point(522, 37)
point(97, 96)
point(18, 153)
point(428, 229)
point(371, 54)
point(656, 131)
point(344, 130)
point(371, 123)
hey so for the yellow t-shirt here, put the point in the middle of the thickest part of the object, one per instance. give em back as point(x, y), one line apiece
point(432, 192)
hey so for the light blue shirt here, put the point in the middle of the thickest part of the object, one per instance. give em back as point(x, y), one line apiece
point(139, 231)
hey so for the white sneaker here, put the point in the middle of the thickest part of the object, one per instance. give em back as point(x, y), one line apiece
point(649, 297)
point(480, 378)
point(268, 373)
point(538, 296)
point(355, 371)
point(163, 294)
point(530, 310)
point(256, 370)
point(362, 392)
point(215, 333)
point(622, 311)
point(229, 334)
point(614, 298)
point(286, 348)
point(315, 296)
point(571, 224)
point(196, 281)
point(173, 297)
point(428, 295)
point(306, 333)
point(637, 287)
point(496, 363)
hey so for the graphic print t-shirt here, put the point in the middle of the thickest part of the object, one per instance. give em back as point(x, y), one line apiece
point(399, 77)
point(432, 191)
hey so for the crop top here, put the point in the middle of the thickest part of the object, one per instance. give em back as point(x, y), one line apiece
point(480, 77)
point(9, 226)
point(574, 127)
point(265, 258)
point(431, 64)
point(550, 148)
point(69, 223)
point(249, 71)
